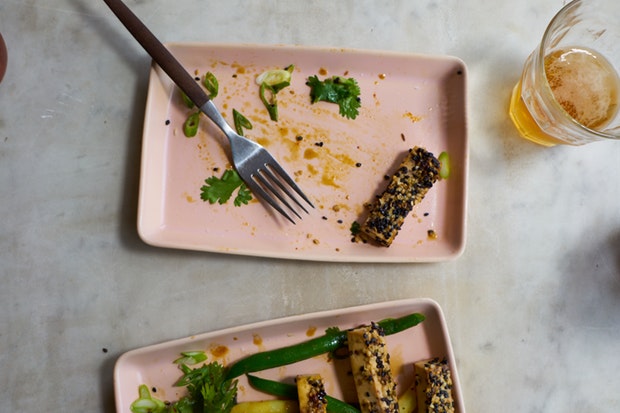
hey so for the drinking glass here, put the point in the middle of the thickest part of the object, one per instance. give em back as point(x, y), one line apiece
point(569, 89)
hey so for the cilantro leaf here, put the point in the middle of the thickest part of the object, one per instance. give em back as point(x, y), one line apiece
point(208, 389)
point(220, 190)
point(337, 89)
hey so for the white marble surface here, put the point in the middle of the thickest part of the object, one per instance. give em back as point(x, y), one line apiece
point(533, 304)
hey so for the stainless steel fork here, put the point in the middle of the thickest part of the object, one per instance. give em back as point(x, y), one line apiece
point(256, 167)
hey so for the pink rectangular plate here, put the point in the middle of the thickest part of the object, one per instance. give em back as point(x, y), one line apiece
point(153, 365)
point(407, 100)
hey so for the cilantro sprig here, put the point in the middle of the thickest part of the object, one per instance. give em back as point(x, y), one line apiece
point(208, 391)
point(208, 388)
point(220, 190)
point(337, 89)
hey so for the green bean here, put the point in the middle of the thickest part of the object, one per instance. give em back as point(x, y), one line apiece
point(332, 340)
point(289, 391)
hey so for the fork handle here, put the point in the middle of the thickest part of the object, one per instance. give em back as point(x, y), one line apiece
point(158, 52)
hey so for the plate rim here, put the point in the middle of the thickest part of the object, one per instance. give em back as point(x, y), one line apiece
point(154, 236)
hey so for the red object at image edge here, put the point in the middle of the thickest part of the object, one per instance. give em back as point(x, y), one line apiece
point(3, 57)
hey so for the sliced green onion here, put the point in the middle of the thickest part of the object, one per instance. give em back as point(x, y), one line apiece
point(188, 102)
point(210, 82)
point(191, 357)
point(145, 403)
point(273, 81)
point(241, 122)
point(444, 160)
point(276, 79)
point(270, 104)
point(190, 127)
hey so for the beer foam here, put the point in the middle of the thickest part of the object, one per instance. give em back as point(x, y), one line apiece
point(585, 84)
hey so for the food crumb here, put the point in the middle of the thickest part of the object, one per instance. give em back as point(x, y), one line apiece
point(316, 241)
point(432, 234)
point(358, 164)
point(167, 122)
point(324, 218)
point(402, 136)
point(105, 350)
point(319, 144)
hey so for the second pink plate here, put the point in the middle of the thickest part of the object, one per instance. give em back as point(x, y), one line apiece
point(153, 365)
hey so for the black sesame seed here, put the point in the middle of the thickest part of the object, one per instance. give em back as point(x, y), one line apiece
point(167, 122)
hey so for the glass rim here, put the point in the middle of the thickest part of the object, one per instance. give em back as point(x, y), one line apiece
point(540, 61)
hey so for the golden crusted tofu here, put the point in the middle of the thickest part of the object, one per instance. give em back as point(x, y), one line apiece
point(416, 174)
point(434, 386)
point(370, 364)
point(311, 393)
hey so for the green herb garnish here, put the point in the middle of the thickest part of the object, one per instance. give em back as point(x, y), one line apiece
point(273, 81)
point(186, 100)
point(191, 357)
point(220, 190)
point(211, 84)
point(241, 122)
point(191, 124)
point(145, 403)
point(444, 160)
point(355, 228)
point(208, 389)
point(337, 89)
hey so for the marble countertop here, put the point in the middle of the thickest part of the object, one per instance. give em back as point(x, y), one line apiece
point(532, 305)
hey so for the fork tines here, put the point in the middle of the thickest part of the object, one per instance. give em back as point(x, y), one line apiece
point(268, 183)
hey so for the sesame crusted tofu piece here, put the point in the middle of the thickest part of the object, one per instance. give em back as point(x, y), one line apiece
point(370, 364)
point(434, 386)
point(311, 392)
point(416, 174)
